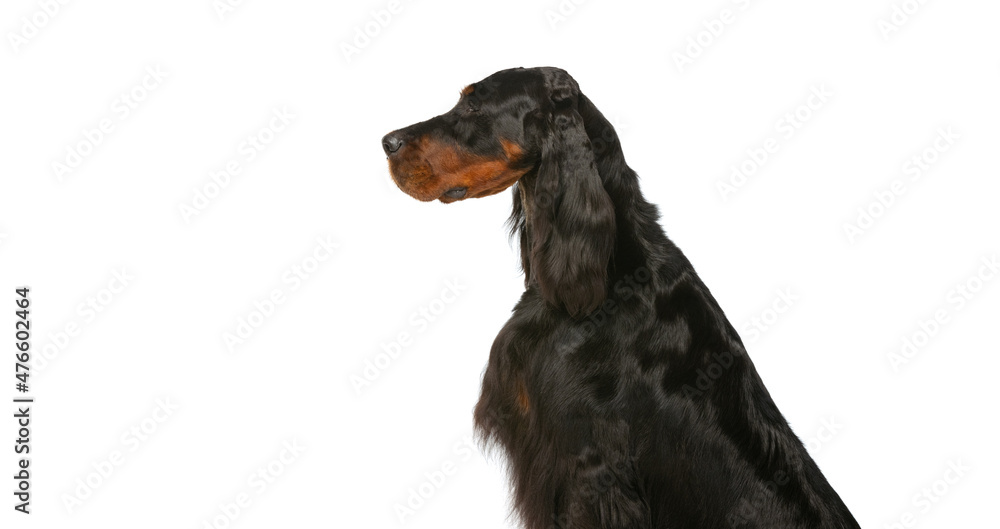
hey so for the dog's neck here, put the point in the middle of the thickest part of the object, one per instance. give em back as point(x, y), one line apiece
point(640, 241)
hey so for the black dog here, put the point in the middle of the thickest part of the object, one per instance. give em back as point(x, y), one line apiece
point(621, 395)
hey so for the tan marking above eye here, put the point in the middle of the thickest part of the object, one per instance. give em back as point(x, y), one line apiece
point(468, 90)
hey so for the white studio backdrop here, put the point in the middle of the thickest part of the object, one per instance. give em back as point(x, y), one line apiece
point(238, 320)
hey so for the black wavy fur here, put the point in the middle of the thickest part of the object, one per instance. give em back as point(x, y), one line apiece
point(618, 392)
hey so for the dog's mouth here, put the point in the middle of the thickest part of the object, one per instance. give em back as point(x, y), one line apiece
point(423, 186)
point(428, 171)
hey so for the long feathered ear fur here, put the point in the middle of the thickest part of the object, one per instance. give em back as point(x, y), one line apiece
point(572, 217)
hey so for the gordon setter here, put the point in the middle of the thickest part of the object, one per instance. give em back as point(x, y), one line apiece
point(618, 391)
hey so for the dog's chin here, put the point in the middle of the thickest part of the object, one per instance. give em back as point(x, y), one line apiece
point(429, 189)
point(446, 195)
point(408, 185)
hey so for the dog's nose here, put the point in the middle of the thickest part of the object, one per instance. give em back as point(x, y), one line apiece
point(391, 144)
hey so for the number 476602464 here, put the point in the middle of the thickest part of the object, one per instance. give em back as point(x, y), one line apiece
point(22, 329)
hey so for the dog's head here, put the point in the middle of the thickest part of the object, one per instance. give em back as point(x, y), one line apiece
point(522, 123)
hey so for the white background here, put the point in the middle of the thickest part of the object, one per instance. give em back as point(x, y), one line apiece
point(881, 435)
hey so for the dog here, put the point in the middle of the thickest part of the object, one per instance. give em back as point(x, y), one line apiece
point(618, 392)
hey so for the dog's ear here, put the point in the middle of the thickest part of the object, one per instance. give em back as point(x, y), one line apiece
point(572, 217)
